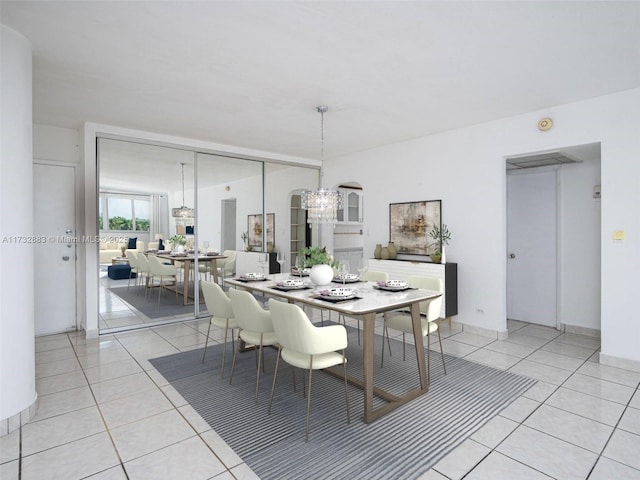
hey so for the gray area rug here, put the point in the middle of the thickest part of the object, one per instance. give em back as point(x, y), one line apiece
point(135, 296)
point(402, 445)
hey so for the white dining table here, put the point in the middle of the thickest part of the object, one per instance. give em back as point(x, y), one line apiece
point(371, 302)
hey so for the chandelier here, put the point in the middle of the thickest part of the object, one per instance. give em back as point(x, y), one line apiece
point(322, 205)
point(183, 215)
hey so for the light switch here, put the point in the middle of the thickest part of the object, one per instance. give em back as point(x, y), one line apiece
point(618, 235)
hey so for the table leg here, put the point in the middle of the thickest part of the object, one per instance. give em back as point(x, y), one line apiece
point(368, 345)
point(185, 283)
point(214, 270)
point(417, 335)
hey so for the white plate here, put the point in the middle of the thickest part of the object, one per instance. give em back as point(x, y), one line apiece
point(396, 284)
point(340, 292)
point(347, 277)
point(253, 276)
point(292, 283)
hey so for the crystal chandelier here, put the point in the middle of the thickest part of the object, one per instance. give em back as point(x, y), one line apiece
point(322, 205)
point(183, 215)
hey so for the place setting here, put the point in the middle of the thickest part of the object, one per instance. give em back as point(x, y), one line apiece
point(291, 284)
point(252, 277)
point(336, 295)
point(392, 285)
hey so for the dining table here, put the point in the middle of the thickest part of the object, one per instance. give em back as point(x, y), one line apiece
point(187, 260)
point(369, 300)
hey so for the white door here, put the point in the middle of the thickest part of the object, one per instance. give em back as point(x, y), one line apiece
point(55, 259)
point(531, 247)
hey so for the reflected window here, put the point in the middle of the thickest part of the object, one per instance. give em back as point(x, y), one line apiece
point(120, 212)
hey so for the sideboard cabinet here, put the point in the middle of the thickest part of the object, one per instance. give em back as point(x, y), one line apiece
point(401, 269)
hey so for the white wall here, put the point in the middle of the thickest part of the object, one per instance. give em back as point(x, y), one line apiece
point(580, 245)
point(465, 168)
point(17, 352)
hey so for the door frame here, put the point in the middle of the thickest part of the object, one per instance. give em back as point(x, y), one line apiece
point(78, 220)
point(558, 239)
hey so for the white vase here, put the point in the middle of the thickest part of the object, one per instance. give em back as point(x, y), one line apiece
point(444, 257)
point(180, 248)
point(321, 275)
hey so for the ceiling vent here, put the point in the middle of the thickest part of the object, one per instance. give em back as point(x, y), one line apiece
point(540, 160)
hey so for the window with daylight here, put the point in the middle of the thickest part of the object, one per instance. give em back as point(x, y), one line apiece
point(121, 212)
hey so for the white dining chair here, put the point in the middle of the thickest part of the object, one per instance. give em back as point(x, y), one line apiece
point(429, 314)
point(303, 345)
point(164, 274)
point(219, 307)
point(254, 328)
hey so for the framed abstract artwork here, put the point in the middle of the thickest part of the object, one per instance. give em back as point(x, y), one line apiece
point(410, 224)
point(255, 226)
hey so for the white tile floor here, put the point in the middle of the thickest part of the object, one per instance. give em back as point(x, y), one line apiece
point(105, 413)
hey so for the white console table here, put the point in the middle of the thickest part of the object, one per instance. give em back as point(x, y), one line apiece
point(448, 272)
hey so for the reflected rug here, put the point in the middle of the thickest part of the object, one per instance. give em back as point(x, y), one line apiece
point(135, 297)
point(401, 445)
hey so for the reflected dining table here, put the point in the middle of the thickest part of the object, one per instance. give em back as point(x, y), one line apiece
point(187, 261)
point(370, 301)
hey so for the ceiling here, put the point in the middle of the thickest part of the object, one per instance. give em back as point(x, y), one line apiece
point(251, 74)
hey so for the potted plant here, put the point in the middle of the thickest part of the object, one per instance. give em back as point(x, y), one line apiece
point(441, 235)
point(178, 242)
point(321, 263)
point(245, 240)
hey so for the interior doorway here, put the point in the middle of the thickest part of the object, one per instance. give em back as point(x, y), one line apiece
point(553, 224)
point(532, 254)
point(54, 219)
point(228, 234)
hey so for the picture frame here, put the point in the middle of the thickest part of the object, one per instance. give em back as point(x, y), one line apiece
point(410, 224)
point(254, 229)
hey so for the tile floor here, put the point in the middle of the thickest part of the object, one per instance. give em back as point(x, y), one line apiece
point(105, 413)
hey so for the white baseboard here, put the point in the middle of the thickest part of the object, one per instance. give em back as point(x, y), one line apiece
point(485, 332)
point(14, 422)
point(618, 362)
point(587, 332)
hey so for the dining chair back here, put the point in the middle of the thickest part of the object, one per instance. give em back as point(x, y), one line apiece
point(219, 307)
point(374, 276)
point(303, 345)
point(144, 270)
point(254, 328)
point(133, 264)
point(228, 265)
point(165, 274)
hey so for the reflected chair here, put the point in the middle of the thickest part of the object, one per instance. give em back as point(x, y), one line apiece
point(133, 263)
point(303, 345)
point(228, 267)
point(165, 274)
point(144, 270)
point(368, 276)
point(254, 328)
point(219, 307)
point(429, 314)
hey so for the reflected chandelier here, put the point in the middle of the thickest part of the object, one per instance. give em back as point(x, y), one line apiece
point(183, 215)
point(322, 205)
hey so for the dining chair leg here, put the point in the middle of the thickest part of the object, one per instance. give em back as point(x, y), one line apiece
point(404, 354)
point(235, 354)
point(442, 352)
point(306, 437)
point(206, 342)
point(224, 348)
point(293, 377)
point(428, 357)
point(273, 385)
point(346, 385)
point(259, 365)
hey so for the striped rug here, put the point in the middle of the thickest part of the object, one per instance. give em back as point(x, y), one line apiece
point(402, 445)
